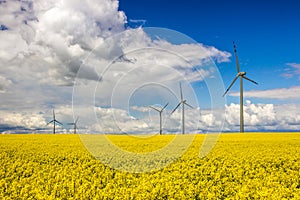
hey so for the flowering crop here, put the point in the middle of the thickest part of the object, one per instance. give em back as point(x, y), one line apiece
point(241, 166)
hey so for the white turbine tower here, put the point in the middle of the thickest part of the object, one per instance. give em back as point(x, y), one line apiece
point(54, 121)
point(182, 103)
point(242, 76)
point(75, 124)
point(160, 116)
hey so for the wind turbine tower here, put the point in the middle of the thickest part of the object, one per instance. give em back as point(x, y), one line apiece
point(182, 103)
point(160, 116)
point(74, 124)
point(241, 75)
point(54, 121)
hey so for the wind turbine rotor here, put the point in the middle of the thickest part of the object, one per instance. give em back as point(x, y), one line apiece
point(160, 116)
point(182, 103)
point(54, 121)
point(74, 124)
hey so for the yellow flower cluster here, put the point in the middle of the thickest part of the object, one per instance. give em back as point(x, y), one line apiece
point(241, 166)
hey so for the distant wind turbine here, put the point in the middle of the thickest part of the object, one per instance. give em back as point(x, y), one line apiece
point(160, 116)
point(54, 121)
point(75, 124)
point(242, 76)
point(182, 103)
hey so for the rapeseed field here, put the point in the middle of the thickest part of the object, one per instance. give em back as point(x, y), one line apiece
point(240, 166)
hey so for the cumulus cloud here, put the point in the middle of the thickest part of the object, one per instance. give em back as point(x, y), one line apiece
point(47, 43)
point(254, 114)
point(259, 117)
point(277, 93)
point(21, 119)
point(51, 38)
point(113, 120)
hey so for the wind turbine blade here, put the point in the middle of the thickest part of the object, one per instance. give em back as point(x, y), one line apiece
point(181, 95)
point(70, 123)
point(245, 77)
point(53, 114)
point(164, 106)
point(58, 122)
point(50, 122)
point(76, 120)
point(236, 77)
point(154, 108)
point(176, 108)
point(188, 105)
point(236, 58)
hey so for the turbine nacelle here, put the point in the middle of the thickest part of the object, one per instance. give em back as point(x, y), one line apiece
point(242, 73)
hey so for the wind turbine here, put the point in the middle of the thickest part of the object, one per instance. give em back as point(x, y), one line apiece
point(242, 76)
point(75, 124)
point(182, 103)
point(54, 121)
point(160, 117)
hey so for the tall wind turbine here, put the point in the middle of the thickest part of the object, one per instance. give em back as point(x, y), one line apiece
point(182, 103)
point(160, 116)
point(75, 124)
point(54, 121)
point(242, 76)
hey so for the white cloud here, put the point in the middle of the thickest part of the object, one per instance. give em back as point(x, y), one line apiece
point(255, 115)
point(263, 117)
point(4, 84)
point(292, 70)
point(258, 117)
point(137, 22)
point(288, 116)
point(277, 93)
point(26, 120)
point(143, 109)
point(208, 120)
point(48, 41)
point(48, 37)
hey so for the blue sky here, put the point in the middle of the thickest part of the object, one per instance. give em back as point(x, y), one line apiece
point(266, 33)
point(99, 60)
